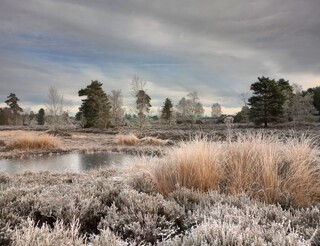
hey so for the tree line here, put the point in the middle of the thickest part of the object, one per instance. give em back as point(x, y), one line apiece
point(277, 101)
point(271, 102)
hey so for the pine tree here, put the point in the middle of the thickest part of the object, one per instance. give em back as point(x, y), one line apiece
point(40, 117)
point(166, 112)
point(95, 108)
point(267, 101)
point(12, 102)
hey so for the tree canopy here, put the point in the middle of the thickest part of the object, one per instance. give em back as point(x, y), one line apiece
point(96, 107)
point(267, 101)
point(166, 112)
point(12, 102)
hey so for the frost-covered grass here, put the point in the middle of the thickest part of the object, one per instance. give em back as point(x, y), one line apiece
point(113, 207)
point(265, 167)
point(27, 140)
point(256, 190)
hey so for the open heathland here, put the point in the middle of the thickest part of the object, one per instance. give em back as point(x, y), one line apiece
point(251, 188)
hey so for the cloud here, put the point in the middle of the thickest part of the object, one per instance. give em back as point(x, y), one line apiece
point(217, 48)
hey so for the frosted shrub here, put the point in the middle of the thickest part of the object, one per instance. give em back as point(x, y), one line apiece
point(223, 220)
point(114, 207)
point(32, 235)
point(141, 218)
point(106, 237)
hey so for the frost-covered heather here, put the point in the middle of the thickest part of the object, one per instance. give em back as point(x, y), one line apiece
point(265, 167)
point(27, 140)
point(114, 207)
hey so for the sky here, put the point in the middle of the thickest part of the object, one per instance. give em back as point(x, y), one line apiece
point(216, 48)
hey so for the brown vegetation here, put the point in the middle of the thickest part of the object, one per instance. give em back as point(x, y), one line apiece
point(264, 167)
point(24, 140)
point(133, 140)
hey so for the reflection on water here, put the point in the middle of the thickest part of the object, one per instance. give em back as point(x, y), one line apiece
point(75, 162)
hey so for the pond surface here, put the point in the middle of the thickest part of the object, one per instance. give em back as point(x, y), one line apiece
point(74, 162)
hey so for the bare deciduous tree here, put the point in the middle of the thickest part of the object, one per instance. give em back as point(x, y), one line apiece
point(117, 110)
point(301, 108)
point(216, 110)
point(142, 102)
point(137, 84)
point(54, 107)
point(190, 108)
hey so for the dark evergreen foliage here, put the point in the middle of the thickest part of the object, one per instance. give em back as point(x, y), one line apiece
point(96, 107)
point(40, 117)
point(5, 114)
point(166, 112)
point(316, 97)
point(267, 101)
point(12, 102)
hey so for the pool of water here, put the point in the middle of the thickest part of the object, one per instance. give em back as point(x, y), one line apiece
point(74, 162)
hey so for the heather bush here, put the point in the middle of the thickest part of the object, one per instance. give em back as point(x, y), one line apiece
point(142, 218)
point(59, 235)
point(225, 220)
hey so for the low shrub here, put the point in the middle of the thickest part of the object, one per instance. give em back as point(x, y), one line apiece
point(104, 207)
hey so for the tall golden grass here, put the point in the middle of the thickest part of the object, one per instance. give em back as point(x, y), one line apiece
point(127, 139)
point(264, 167)
point(133, 140)
point(25, 140)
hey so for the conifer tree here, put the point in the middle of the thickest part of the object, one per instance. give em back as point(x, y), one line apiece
point(40, 117)
point(96, 107)
point(166, 112)
point(267, 101)
point(12, 102)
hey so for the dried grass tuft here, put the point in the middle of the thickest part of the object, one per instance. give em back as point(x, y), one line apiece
point(24, 140)
point(133, 140)
point(127, 139)
point(264, 167)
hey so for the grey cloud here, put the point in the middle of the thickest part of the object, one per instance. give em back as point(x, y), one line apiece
point(215, 47)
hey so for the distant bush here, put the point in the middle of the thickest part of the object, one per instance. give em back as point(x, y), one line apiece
point(24, 140)
point(264, 167)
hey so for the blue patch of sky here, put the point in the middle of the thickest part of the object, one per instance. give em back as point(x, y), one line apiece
point(64, 50)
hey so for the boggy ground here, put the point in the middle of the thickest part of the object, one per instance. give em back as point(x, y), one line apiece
point(94, 140)
point(72, 141)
